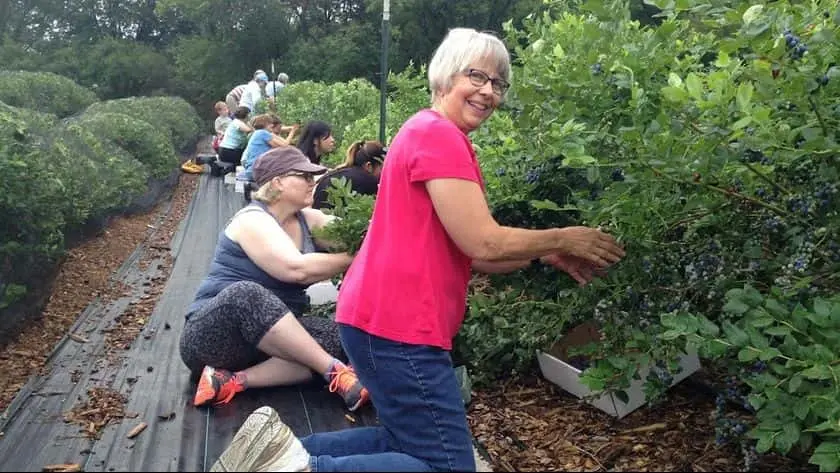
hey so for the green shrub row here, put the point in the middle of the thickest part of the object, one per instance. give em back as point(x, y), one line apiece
point(69, 163)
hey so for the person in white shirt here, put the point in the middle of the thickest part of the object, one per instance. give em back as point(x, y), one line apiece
point(274, 87)
point(254, 91)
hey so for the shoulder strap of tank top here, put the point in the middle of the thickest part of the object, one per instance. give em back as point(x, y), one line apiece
point(308, 242)
point(253, 206)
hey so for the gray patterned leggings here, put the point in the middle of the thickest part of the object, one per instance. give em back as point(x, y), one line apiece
point(225, 332)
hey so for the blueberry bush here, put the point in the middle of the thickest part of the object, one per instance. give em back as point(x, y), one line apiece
point(69, 163)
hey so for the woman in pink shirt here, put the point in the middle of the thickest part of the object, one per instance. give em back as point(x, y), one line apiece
point(404, 296)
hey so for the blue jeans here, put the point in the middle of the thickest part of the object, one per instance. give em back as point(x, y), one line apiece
point(423, 422)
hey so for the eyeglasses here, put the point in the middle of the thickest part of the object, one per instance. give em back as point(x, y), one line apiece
point(308, 177)
point(479, 78)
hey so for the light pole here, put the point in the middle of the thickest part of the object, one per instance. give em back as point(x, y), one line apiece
point(383, 79)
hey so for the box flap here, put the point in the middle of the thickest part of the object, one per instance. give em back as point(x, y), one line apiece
point(580, 335)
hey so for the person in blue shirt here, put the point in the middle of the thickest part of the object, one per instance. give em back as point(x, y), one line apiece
point(267, 135)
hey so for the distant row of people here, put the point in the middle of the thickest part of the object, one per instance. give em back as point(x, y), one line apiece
point(259, 87)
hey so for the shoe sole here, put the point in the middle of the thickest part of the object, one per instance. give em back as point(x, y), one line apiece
point(262, 429)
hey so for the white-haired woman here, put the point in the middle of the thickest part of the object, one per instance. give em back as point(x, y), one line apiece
point(403, 299)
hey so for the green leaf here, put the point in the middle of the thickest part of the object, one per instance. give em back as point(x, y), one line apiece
point(768, 354)
point(544, 205)
point(674, 94)
point(765, 441)
point(822, 307)
point(674, 80)
point(742, 123)
point(756, 401)
point(760, 322)
point(747, 354)
point(722, 60)
point(559, 53)
point(744, 97)
point(736, 307)
point(752, 13)
point(579, 161)
point(671, 334)
point(788, 437)
point(827, 456)
point(817, 372)
point(779, 331)
point(707, 327)
point(794, 383)
point(801, 408)
point(735, 335)
point(694, 86)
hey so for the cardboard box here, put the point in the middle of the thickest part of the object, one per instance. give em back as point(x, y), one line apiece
point(555, 366)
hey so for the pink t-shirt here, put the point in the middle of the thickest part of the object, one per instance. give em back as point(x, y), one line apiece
point(408, 282)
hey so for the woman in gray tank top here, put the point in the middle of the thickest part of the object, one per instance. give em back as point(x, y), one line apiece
point(242, 329)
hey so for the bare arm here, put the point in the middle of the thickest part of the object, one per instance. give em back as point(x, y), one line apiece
point(270, 248)
point(244, 127)
point(498, 267)
point(463, 210)
point(276, 141)
point(316, 219)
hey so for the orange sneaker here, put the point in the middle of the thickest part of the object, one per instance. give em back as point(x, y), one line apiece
point(346, 384)
point(216, 386)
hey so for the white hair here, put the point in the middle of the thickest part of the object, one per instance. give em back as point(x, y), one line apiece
point(460, 48)
point(283, 77)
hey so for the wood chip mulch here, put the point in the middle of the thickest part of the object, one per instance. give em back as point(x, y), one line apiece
point(102, 406)
point(530, 424)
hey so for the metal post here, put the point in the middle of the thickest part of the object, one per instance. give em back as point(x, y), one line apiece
point(383, 79)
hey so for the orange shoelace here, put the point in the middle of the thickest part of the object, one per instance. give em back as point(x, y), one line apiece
point(343, 379)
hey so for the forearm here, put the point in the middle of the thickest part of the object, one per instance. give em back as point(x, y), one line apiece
point(317, 267)
point(505, 244)
point(498, 267)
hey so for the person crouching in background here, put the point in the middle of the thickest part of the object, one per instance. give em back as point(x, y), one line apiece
point(361, 168)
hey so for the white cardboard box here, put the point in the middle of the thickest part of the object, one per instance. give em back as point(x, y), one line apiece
point(568, 377)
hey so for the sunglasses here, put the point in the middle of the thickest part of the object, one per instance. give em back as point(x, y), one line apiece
point(479, 78)
point(307, 176)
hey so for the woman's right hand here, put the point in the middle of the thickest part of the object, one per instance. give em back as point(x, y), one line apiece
point(591, 244)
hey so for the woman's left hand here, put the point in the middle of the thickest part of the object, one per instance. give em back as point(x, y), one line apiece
point(579, 269)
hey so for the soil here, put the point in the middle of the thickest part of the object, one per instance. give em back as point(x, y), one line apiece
point(522, 424)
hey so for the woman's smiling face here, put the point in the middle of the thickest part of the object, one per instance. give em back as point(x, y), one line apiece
point(466, 104)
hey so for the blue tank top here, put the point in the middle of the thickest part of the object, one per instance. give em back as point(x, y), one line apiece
point(231, 264)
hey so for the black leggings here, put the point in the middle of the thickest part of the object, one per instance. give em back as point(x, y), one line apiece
point(225, 332)
point(231, 155)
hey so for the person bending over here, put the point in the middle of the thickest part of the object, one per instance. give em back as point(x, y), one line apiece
point(361, 169)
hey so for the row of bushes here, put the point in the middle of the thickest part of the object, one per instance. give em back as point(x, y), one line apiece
point(69, 162)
